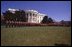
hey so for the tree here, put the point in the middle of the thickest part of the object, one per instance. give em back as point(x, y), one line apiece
point(45, 19)
point(17, 15)
point(50, 20)
point(62, 21)
point(66, 23)
point(8, 16)
point(20, 16)
point(2, 20)
point(23, 16)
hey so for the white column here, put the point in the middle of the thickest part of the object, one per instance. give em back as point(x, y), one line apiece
point(32, 17)
point(28, 17)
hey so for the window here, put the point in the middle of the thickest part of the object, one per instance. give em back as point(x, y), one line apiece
point(38, 21)
point(27, 14)
point(33, 14)
point(30, 14)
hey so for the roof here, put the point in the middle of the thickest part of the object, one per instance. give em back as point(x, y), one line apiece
point(13, 9)
point(34, 11)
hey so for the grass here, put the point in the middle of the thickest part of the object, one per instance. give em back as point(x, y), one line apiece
point(35, 36)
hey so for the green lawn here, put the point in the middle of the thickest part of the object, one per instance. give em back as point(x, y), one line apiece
point(35, 36)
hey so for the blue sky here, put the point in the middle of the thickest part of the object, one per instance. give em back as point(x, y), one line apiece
point(57, 10)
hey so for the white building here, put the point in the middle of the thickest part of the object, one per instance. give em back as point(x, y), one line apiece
point(33, 16)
